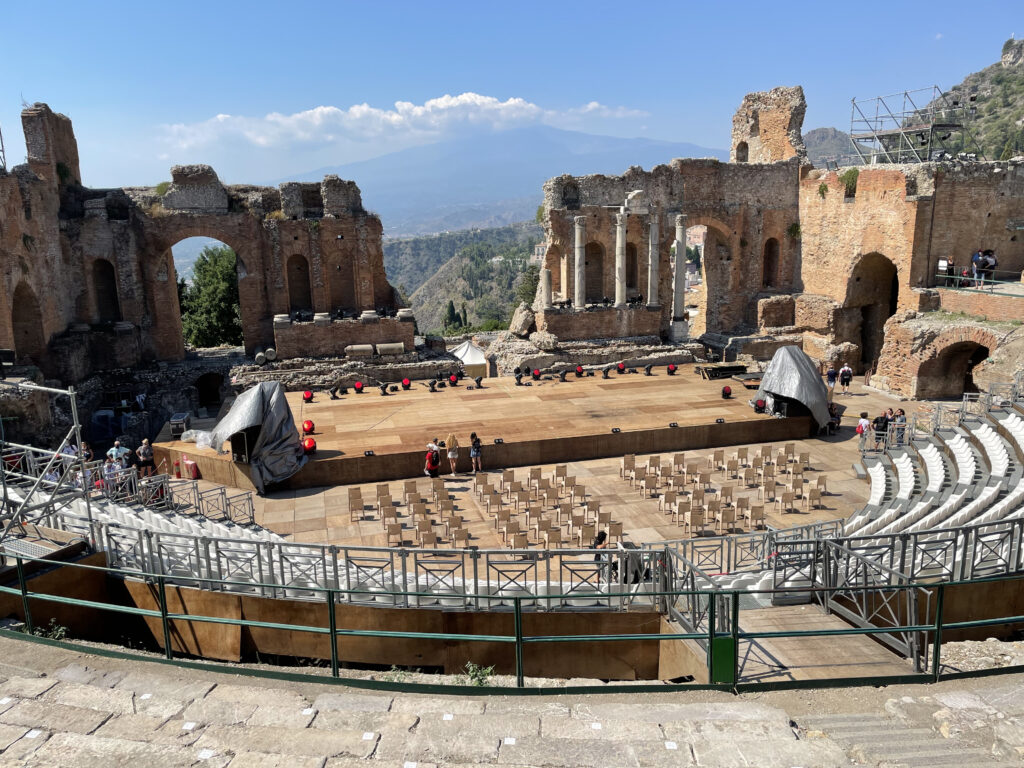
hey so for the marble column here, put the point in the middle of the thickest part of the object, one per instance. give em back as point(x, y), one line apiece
point(620, 259)
point(545, 289)
point(580, 295)
point(679, 277)
point(652, 261)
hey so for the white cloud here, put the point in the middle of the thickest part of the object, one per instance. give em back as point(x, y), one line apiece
point(407, 122)
point(938, 35)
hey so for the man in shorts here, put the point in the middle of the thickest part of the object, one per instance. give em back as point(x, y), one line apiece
point(846, 378)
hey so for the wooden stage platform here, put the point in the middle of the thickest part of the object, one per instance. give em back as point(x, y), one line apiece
point(546, 421)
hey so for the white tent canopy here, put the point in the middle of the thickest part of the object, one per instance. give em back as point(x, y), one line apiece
point(472, 357)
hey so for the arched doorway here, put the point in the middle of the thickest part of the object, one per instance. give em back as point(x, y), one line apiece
point(770, 263)
point(719, 314)
point(632, 269)
point(300, 295)
point(594, 268)
point(208, 387)
point(950, 372)
point(209, 277)
point(874, 288)
point(341, 282)
point(27, 324)
point(104, 284)
point(742, 152)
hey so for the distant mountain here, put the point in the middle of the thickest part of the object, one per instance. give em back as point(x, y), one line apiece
point(490, 179)
point(410, 262)
point(187, 251)
point(829, 144)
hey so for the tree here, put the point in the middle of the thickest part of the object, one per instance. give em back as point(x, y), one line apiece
point(465, 317)
point(451, 317)
point(210, 313)
point(527, 288)
point(539, 218)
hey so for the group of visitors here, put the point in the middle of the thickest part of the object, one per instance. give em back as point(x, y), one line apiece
point(893, 424)
point(844, 376)
point(981, 268)
point(432, 466)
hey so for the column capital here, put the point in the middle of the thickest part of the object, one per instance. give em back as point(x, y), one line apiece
point(620, 219)
point(680, 219)
point(579, 221)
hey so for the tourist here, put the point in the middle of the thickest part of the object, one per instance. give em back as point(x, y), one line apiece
point(900, 422)
point(880, 426)
point(474, 453)
point(433, 460)
point(68, 454)
point(147, 466)
point(452, 446)
point(834, 418)
point(976, 265)
point(87, 454)
point(846, 377)
point(118, 452)
point(830, 377)
point(950, 272)
point(863, 424)
point(988, 267)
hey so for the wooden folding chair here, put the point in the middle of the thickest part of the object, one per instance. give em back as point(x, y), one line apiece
point(510, 528)
point(614, 532)
point(585, 534)
point(460, 537)
point(732, 468)
point(767, 491)
point(409, 486)
point(667, 501)
point(453, 523)
point(812, 498)
point(804, 460)
point(355, 510)
point(750, 477)
point(553, 537)
point(578, 492)
point(697, 497)
point(678, 463)
point(695, 522)
point(784, 502)
point(428, 540)
point(726, 495)
point(757, 517)
point(822, 484)
point(507, 476)
point(604, 519)
point(518, 541)
point(681, 509)
point(648, 486)
point(716, 460)
point(726, 520)
point(741, 456)
point(501, 517)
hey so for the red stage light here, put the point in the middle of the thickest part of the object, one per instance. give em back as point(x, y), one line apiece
point(308, 427)
point(726, 391)
point(307, 396)
point(358, 387)
point(671, 368)
point(579, 370)
point(621, 367)
point(406, 383)
point(309, 445)
point(453, 379)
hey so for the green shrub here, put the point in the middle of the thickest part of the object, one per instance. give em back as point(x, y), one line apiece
point(849, 180)
point(479, 676)
point(822, 190)
point(162, 187)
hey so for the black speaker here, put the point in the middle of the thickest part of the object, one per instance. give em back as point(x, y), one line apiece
point(242, 444)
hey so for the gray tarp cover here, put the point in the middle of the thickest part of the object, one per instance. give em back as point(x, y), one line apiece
point(277, 454)
point(792, 374)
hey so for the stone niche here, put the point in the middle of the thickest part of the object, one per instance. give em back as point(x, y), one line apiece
point(195, 188)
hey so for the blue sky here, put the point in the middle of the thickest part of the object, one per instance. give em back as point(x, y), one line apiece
point(301, 85)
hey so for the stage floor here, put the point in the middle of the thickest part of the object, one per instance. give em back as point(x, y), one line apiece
point(406, 420)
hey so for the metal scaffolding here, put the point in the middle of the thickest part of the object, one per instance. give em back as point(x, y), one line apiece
point(914, 127)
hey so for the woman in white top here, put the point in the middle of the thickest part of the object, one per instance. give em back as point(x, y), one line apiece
point(451, 444)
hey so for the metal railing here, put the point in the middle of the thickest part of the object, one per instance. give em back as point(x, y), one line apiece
point(980, 282)
point(917, 634)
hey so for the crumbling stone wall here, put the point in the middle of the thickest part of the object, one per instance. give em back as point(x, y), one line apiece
point(57, 240)
point(767, 127)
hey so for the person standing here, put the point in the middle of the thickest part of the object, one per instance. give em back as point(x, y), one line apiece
point(452, 446)
point(976, 267)
point(900, 422)
point(118, 452)
point(433, 460)
point(846, 377)
point(147, 466)
point(475, 447)
point(830, 378)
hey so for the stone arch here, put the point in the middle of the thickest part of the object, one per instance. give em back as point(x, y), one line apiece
point(27, 324)
point(632, 268)
point(557, 264)
point(300, 293)
point(716, 268)
point(945, 367)
point(873, 287)
point(770, 263)
point(104, 286)
point(208, 387)
point(341, 285)
point(594, 269)
point(742, 152)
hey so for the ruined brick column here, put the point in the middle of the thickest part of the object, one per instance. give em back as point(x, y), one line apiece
point(620, 260)
point(545, 289)
point(580, 299)
point(652, 262)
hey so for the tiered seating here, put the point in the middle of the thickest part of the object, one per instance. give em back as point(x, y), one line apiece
point(995, 448)
point(967, 470)
point(939, 475)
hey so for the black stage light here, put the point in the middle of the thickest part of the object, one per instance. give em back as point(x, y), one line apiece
point(498, 441)
point(536, 374)
point(615, 430)
point(647, 369)
point(621, 367)
point(579, 371)
point(671, 369)
point(358, 387)
point(479, 381)
point(719, 421)
point(516, 371)
point(383, 389)
point(406, 383)
point(726, 392)
point(605, 372)
point(519, 378)
point(433, 386)
point(392, 388)
point(367, 453)
point(590, 373)
point(441, 385)
point(561, 376)
point(673, 424)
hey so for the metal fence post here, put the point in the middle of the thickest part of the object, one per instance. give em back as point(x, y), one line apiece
point(517, 606)
point(162, 594)
point(937, 646)
point(24, 595)
point(332, 622)
point(711, 636)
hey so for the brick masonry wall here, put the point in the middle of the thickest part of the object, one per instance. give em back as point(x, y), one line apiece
point(601, 323)
point(982, 304)
point(312, 340)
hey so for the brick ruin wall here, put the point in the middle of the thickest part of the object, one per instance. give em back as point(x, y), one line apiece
point(767, 127)
point(71, 253)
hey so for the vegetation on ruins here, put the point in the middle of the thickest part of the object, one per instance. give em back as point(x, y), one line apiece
point(822, 190)
point(210, 314)
point(793, 230)
point(848, 178)
point(162, 187)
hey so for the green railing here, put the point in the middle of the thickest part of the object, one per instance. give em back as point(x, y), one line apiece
point(970, 283)
point(723, 647)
